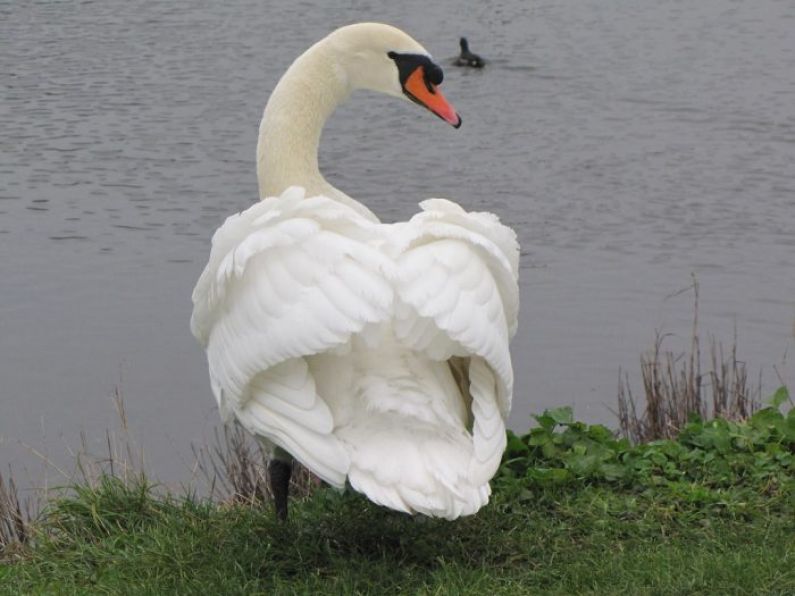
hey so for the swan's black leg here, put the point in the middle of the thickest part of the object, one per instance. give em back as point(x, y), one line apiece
point(279, 472)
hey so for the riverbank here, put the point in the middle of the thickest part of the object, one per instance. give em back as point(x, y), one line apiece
point(574, 510)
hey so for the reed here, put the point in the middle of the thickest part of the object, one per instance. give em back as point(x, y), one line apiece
point(16, 516)
point(675, 388)
point(123, 459)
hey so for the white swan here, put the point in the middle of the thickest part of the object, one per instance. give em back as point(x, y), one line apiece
point(373, 353)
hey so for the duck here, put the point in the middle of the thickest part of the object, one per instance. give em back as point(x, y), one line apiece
point(374, 354)
point(467, 58)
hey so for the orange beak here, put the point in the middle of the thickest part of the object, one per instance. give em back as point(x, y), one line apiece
point(427, 94)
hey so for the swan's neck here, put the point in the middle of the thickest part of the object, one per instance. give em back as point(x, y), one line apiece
point(289, 134)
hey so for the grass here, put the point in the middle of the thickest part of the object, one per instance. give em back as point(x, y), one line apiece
point(117, 539)
point(575, 510)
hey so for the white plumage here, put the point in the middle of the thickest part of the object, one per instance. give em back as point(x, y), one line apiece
point(373, 353)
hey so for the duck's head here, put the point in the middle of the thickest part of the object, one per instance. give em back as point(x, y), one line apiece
point(385, 59)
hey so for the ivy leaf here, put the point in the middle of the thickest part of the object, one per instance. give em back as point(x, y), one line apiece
point(563, 415)
point(516, 446)
point(779, 397)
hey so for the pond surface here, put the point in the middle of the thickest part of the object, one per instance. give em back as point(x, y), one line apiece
point(629, 143)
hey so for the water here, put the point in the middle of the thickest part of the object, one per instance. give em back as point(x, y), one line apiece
point(628, 143)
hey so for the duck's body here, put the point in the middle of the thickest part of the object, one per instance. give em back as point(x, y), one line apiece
point(468, 58)
point(375, 354)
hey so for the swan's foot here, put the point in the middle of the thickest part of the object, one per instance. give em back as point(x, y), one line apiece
point(279, 474)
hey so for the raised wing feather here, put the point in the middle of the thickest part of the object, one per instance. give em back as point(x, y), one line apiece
point(287, 278)
point(458, 300)
point(457, 279)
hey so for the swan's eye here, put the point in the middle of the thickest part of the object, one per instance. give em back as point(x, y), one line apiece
point(408, 63)
point(433, 73)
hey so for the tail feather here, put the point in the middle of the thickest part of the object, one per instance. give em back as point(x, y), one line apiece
point(414, 468)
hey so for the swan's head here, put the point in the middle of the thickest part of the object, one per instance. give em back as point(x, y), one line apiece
point(385, 59)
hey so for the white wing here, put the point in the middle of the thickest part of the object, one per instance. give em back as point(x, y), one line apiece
point(458, 297)
point(287, 278)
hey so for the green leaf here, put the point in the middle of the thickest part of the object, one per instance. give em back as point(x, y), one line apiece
point(549, 475)
point(779, 397)
point(613, 471)
point(562, 415)
point(546, 421)
point(582, 465)
point(766, 417)
point(516, 446)
point(579, 448)
point(789, 427)
point(539, 436)
point(549, 451)
point(600, 433)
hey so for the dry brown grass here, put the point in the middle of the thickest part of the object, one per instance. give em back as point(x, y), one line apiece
point(235, 467)
point(675, 388)
point(123, 459)
point(16, 516)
